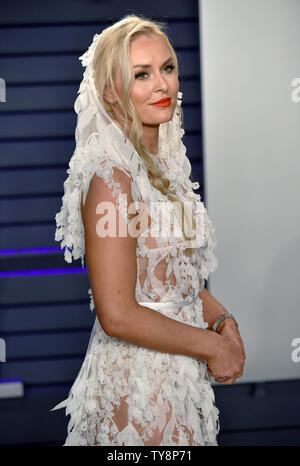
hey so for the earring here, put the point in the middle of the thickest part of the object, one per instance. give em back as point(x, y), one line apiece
point(112, 101)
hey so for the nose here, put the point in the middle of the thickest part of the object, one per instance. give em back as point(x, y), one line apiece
point(160, 83)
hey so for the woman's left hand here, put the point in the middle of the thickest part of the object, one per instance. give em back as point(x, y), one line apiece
point(230, 330)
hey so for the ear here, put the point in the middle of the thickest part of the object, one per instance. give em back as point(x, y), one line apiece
point(108, 96)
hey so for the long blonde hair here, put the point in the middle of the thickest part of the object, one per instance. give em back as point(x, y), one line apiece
point(113, 50)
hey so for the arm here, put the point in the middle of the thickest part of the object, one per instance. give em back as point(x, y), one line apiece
point(112, 269)
point(212, 309)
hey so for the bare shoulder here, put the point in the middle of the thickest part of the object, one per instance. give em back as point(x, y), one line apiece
point(110, 260)
point(99, 190)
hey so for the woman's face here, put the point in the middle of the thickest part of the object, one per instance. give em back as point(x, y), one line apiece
point(155, 78)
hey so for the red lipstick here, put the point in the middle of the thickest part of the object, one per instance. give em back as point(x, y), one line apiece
point(163, 102)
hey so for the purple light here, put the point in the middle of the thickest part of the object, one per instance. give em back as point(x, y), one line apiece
point(53, 271)
point(10, 380)
point(40, 250)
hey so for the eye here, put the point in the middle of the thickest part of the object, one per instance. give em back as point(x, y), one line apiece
point(139, 75)
point(168, 67)
point(171, 67)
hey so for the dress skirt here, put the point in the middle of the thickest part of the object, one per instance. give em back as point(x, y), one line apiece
point(128, 395)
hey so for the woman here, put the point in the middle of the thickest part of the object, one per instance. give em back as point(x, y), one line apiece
point(145, 379)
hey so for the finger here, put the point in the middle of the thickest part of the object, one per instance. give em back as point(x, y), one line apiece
point(227, 380)
point(222, 379)
point(241, 372)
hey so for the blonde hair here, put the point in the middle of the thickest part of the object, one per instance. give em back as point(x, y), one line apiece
point(113, 50)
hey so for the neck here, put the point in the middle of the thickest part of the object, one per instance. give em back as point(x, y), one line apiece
point(150, 138)
point(150, 135)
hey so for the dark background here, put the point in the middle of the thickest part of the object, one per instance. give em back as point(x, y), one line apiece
point(44, 312)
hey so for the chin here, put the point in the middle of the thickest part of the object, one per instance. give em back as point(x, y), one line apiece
point(163, 118)
point(167, 117)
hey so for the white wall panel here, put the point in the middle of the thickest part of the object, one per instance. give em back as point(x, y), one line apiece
point(250, 56)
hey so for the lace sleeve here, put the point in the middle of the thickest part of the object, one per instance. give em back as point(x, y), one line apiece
point(206, 260)
point(69, 226)
point(205, 255)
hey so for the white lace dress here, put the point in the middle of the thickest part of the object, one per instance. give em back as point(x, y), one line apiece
point(125, 394)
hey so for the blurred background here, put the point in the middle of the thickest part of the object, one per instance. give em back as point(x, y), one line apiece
point(239, 71)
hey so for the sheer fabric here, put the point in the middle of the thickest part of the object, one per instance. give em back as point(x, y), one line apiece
point(126, 394)
point(130, 395)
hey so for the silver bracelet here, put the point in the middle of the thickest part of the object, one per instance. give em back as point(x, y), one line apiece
point(220, 319)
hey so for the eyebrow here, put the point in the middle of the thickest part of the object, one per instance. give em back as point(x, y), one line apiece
point(149, 66)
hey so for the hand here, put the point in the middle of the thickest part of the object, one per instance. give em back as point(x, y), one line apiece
point(227, 363)
point(230, 330)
